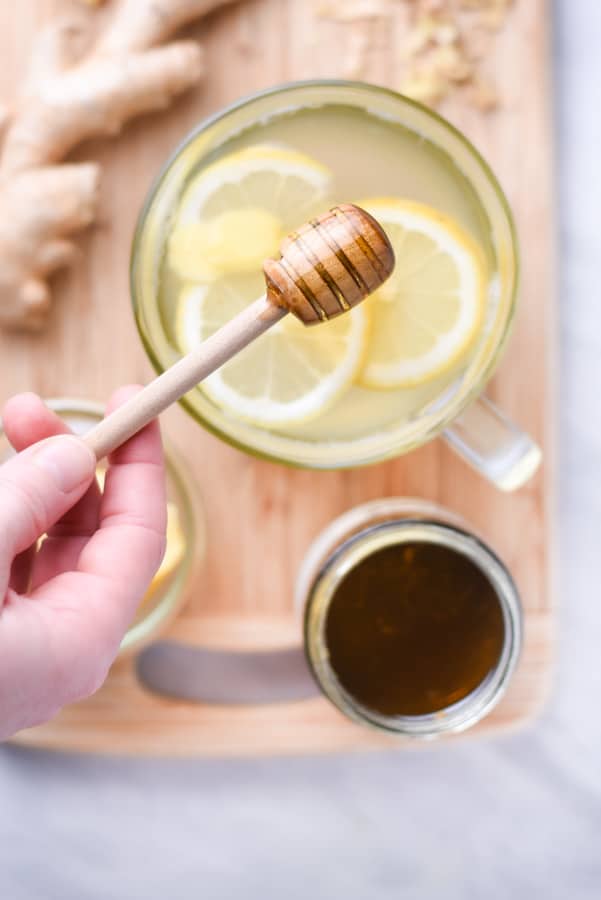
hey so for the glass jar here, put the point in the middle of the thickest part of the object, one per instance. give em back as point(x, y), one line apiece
point(385, 523)
point(163, 601)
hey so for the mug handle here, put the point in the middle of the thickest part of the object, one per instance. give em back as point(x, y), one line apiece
point(493, 445)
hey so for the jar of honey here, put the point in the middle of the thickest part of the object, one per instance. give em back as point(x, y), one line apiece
point(412, 624)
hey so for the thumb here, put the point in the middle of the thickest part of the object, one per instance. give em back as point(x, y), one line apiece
point(37, 487)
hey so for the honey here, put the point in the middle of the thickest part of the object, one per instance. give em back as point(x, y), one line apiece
point(413, 628)
point(412, 624)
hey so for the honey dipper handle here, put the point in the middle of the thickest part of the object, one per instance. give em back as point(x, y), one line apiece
point(141, 409)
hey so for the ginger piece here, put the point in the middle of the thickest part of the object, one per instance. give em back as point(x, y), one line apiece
point(350, 11)
point(446, 43)
point(483, 95)
point(38, 210)
point(63, 105)
point(425, 86)
point(451, 64)
point(141, 24)
point(73, 93)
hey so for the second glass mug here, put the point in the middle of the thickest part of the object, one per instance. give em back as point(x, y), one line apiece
point(470, 423)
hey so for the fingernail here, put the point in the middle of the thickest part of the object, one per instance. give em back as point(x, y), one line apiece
point(67, 460)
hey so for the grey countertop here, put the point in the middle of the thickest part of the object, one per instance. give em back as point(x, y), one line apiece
point(516, 817)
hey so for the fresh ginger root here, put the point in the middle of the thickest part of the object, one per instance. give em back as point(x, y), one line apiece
point(68, 97)
point(38, 209)
point(143, 23)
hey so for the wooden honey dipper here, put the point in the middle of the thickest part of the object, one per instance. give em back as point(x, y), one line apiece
point(326, 267)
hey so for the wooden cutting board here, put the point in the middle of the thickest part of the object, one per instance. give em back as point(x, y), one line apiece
point(249, 604)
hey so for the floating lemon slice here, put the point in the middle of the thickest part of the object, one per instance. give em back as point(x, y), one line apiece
point(283, 181)
point(234, 214)
point(234, 241)
point(428, 313)
point(231, 217)
point(289, 375)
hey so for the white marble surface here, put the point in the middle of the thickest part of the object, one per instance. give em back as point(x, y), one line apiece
point(517, 817)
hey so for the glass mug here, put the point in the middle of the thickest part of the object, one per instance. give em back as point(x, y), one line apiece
point(470, 423)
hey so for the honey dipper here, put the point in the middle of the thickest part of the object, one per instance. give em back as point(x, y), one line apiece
point(326, 267)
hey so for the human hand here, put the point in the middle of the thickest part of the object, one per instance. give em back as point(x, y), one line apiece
point(65, 608)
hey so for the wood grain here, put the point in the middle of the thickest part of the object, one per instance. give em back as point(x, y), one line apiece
point(249, 603)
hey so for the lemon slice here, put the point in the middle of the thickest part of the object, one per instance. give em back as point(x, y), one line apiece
point(429, 312)
point(278, 179)
point(231, 217)
point(289, 375)
point(174, 552)
point(235, 213)
point(235, 241)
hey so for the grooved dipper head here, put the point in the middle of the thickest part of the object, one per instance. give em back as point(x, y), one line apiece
point(330, 264)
